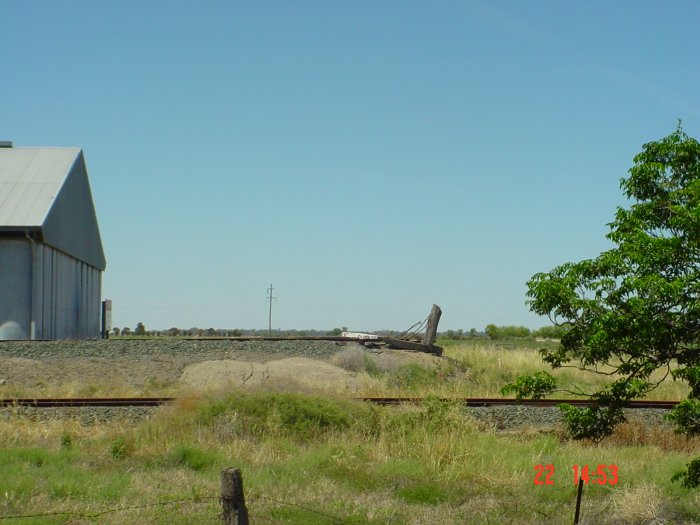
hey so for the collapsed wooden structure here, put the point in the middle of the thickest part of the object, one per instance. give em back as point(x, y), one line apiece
point(428, 342)
point(403, 342)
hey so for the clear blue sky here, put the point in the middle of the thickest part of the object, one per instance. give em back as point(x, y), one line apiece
point(366, 158)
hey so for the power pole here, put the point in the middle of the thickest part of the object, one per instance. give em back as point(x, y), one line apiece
point(270, 298)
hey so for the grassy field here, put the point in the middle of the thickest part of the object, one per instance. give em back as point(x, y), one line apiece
point(489, 367)
point(318, 460)
point(326, 461)
point(478, 369)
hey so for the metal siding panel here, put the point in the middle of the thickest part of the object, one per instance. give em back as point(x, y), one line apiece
point(58, 305)
point(90, 307)
point(41, 317)
point(67, 292)
point(46, 293)
point(82, 302)
point(98, 302)
point(37, 290)
point(89, 303)
point(49, 293)
point(67, 322)
point(15, 283)
point(55, 291)
point(77, 306)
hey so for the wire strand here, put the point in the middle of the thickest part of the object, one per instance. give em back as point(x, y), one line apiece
point(335, 518)
point(108, 511)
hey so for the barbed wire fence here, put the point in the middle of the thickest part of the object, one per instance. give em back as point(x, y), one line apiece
point(232, 500)
point(92, 515)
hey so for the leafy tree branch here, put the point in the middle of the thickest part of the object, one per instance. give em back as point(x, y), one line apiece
point(635, 308)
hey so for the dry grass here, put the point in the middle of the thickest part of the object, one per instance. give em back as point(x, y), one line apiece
point(637, 504)
point(413, 465)
point(489, 368)
point(636, 433)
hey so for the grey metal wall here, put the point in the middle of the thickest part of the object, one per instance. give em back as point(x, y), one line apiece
point(55, 296)
point(15, 288)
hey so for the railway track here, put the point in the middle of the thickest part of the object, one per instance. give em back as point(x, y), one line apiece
point(87, 402)
point(490, 402)
point(157, 401)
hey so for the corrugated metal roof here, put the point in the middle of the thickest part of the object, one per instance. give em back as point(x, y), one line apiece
point(30, 179)
point(47, 190)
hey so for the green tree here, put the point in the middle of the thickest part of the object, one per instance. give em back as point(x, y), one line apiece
point(140, 329)
point(551, 332)
point(636, 307)
point(492, 331)
point(506, 332)
point(454, 334)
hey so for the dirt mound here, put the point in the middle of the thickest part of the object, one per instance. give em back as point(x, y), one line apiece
point(293, 372)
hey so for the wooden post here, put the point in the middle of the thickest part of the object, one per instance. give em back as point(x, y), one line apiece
point(431, 329)
point(578, 501)
point(232, 499)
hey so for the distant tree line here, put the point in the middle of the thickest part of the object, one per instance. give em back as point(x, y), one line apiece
point(495, 333)
point(491, 332)
point(141, 330)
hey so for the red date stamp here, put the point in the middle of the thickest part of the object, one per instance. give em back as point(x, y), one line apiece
point(601, 474)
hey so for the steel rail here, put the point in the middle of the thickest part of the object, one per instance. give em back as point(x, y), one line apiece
point(470, 402)
point(489, 402)
point(87, 402)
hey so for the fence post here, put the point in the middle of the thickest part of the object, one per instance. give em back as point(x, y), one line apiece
point(578, 501)
point(232, 499)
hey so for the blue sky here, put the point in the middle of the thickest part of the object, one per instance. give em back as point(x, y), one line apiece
point(366, 158)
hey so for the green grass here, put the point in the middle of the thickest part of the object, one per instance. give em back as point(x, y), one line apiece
point(308, 459)
point(317, 460)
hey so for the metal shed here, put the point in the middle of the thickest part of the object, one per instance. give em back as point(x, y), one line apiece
point(51, 256)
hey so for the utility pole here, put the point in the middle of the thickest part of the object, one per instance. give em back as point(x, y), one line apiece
point(270, 298)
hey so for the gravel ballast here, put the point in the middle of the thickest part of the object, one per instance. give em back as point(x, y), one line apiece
point(136, 364)
point(195, 350)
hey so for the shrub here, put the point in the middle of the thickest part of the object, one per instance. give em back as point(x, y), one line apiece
point(66, 441)
point(411, 375)
point(191, 457)
point(289, 414)
point(357, 360)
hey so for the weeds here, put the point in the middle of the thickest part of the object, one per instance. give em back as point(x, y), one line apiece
point(191, 457)
point(121, 448)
